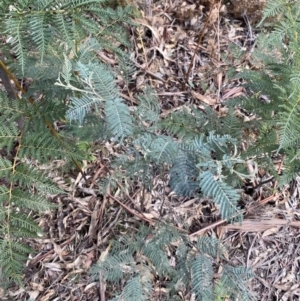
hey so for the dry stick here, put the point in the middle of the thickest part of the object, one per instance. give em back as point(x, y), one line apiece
point(203, 230)
point(198, 46)
point(223, 221)
point(132, 211)
point(139, 215)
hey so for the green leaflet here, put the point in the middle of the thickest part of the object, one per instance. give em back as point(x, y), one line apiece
point(140, 262)
point(23, 186)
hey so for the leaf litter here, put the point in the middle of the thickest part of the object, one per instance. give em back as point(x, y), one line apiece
point(166, 45)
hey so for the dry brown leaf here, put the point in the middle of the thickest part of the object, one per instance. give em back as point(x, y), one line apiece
point(33, 295)
point(285, 287)
point(94, 222)
point(232, 93)
point(104, 254)
point(188, 203)
point(140, 82)
point(214, 14)
point(75, 264)
point(83, 202)
point(58, 251)
point(270, 231)
point(218, 79)
point(54, 266)
point(1, 292)
point(48, 296)
point(204, 98)
point(89, 259)
point(90, 285)
point(150, 215)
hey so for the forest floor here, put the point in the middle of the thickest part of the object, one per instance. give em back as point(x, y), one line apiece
point(173, 39)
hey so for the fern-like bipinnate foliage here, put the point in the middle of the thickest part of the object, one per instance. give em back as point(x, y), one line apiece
point(43, 26)
point(23, 187)
point(198, 165)
point(203, 162)
point(275, 88)
point(44, 35)
point(273, 99)
point(58, 45)
point(98, 91)
point(141, 259)
point(203, 165)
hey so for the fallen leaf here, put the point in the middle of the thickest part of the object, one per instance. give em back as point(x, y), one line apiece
point(74, 264)
point(53, 266)
point(48, 296)
point(89, 259)
point(204, 98)
point(270, 231)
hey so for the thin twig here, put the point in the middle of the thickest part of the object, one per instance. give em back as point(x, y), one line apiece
point(132, 211)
